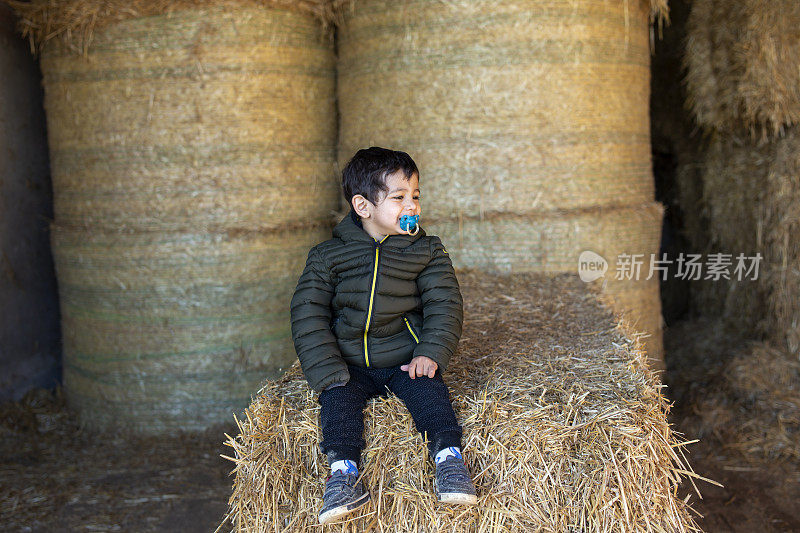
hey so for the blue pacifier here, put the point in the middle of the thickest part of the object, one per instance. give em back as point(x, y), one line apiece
point(410, 223)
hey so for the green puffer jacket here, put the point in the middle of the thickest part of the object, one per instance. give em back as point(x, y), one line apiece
point(364, 303)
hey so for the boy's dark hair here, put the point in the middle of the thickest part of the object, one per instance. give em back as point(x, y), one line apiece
point(366, 172)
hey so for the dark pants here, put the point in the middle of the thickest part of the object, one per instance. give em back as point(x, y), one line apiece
point(342, 414)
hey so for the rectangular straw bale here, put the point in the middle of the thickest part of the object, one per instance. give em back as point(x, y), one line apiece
point(564, 430)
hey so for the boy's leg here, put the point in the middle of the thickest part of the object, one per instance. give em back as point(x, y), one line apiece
point(342, 423)
point(428, 402)
point(342, 417)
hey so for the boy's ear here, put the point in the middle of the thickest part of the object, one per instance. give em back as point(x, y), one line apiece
point(361, 206)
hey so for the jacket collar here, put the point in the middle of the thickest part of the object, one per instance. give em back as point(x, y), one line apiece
point(350, 229)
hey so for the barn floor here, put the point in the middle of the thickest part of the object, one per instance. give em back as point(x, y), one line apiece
point(56, 477)
point(748, 423)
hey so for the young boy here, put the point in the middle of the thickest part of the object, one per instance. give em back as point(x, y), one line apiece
point(378, 307)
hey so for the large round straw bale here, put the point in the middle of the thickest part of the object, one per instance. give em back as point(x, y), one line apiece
point(513, 111)
point(553, 242)
point(741, 60)
point(564, 429)
point(507, 106)
point(192, 150)
point(174, 330)
point(218, 116)
point(549, 241)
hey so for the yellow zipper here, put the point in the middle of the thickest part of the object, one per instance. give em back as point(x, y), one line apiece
point(411, 330)
point(371, 299)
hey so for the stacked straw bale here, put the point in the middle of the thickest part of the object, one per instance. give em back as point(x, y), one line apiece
point(528, 119)
point(751, 190)
point(743, 86)
point(193, 151)
point(199, 119)
point(176, 330)
point(564, 429)
point(741, 60)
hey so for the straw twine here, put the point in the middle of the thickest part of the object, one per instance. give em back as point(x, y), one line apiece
point(741, 60)
point(513, 110)
point(564, 430)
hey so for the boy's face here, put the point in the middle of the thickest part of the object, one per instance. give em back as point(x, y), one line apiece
point(383, 218)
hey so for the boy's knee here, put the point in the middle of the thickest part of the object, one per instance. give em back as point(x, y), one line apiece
point(351, 389)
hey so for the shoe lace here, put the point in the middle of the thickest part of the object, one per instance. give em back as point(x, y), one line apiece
point(453, 469)
point(342, 479)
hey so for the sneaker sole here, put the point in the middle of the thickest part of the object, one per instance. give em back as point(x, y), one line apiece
point(332, 514)
point(458, 498)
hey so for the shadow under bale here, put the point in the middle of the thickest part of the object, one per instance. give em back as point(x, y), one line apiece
point(565, 429)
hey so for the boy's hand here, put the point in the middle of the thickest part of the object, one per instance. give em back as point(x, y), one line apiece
point(420, 366)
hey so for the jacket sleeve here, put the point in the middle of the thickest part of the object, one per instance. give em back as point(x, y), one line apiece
point(314, 341)
point(442, 307)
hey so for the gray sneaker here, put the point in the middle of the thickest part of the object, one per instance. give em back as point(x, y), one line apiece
point(453, 483)
point(344, 493)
